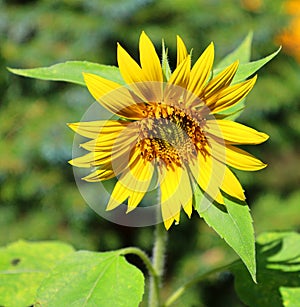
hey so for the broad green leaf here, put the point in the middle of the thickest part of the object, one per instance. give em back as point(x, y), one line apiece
point(290, 296)
point(244, 71)
point(71, 71)
point(165, 63)
point(233, 224)
point(241, 53)
point(23, 265)
point(92, 279)
point(278, 272)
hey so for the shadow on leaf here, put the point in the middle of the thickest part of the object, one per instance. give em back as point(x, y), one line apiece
point(278, 268)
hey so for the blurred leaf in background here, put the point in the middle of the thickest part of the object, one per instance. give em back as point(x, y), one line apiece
point(38, 195)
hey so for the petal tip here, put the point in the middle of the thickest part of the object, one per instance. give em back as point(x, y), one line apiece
point(87, 76)
point(211, 47)
point(111, 205)
point(129, 209)
point(264, 165)
point(168, 223)
point(265, 136)
point(143, 34)
point(72, 126)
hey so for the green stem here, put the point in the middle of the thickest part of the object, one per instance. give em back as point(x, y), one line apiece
point(175, 296)
point(158, 261)
point(143, 256)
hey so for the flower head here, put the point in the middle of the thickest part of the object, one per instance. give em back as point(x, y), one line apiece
point(170, 128)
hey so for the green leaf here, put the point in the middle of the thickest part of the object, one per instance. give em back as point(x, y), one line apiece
point(278, 271)
point(71, 71)
point(290, 296)
point(247, 69)
point(23, 265)
point(92, 279)
point(241, 53)
point(233, 224)
point(244, 71)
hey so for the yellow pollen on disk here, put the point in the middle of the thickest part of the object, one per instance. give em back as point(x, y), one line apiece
point(170, 134)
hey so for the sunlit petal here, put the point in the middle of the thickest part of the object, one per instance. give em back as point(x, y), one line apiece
point(208, 173)
point(242, 160)
point(221, 81)
point(133, 184)
point(149, 60)
point(170, 200)
point(181, 50)
point(115, 98)
point(232, 186)
point(237, 158)
point(230, 96)
point(201, 71)
point(181, 74)
point(234, 133)
point(99, 175)
point(130, 70)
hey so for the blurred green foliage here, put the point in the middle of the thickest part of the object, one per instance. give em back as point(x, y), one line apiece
point(38, 195)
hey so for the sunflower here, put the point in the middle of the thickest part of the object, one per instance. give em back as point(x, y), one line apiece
point(168, 129)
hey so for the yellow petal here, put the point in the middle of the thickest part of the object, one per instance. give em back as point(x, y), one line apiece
point(176, 189)
point(85, 161)
point(118, 196)
point(181, 50)
point(97, 158)
point(242, 160)
point(120, 192)
point(170, 201)
point(201, 71)
point(99, 175)
point(234, 133)
point(219, 198)
point(133, 183)
point(114, 97)
point(142, 173)
point(136, 77)
point(149, 60)
point(168, 223)
point(149, 91)
point(185, 193)
point(236, 157)
point(232, 186)
point(99, 86)
point(94, 128)
point(113, 141)
point(230, 96)
point(130, 70)
point(134, 200)
point(208, 173)
point(222, 80)
point(181, 74)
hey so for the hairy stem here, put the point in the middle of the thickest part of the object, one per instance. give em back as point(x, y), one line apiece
point(144, 257)
point(158, 261)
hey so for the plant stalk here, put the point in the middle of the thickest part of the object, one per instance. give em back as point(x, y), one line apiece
point(158, 261)
point(143, 256)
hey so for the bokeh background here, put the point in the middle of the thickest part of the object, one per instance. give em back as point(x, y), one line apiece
point(38, 196)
